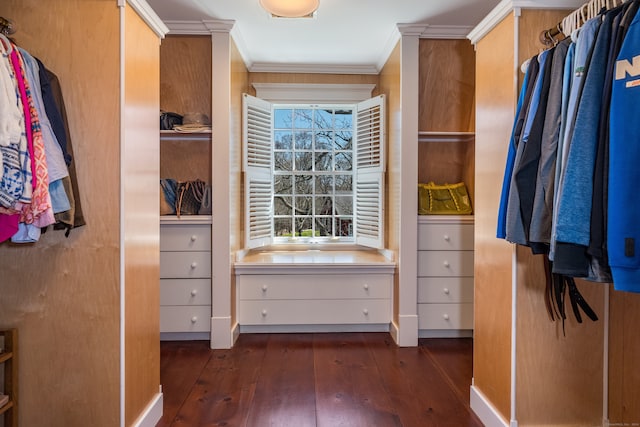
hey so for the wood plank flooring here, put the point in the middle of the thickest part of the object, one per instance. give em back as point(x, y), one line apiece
point(324, 379)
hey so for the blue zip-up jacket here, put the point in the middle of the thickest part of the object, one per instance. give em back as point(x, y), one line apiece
point(623, 224)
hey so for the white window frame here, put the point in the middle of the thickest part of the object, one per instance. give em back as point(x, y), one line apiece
point(370, 161)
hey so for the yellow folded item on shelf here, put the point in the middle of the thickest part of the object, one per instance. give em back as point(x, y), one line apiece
point(443, 199)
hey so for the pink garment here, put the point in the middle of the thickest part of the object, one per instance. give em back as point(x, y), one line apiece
point(39, 212)
point(8, 226)
point(19, 72)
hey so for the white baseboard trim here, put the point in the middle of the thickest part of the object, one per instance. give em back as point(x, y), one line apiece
point(152, 413)
point(221, 332)
point(260, 329)
point(445, 333)
point(487, 413)
point(407, 330)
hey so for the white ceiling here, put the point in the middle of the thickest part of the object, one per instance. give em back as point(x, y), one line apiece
point(344, 35)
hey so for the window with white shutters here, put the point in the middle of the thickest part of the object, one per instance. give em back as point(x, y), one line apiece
point(314, 173)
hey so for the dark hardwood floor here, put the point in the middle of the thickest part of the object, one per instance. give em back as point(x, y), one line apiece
point(323, 379)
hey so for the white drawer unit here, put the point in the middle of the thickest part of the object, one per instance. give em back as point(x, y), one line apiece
point(305, 292)
point(445, 276)
point(185, 280)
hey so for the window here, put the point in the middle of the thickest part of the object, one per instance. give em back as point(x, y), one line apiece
point(313, 172)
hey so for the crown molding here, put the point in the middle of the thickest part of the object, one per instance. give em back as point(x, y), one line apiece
point(149, 16)
point(505, 7)
point(446, 32)
point(269, 67)
point(200, 27)
point(392, 42)
point(426, 31)
point(313, 92)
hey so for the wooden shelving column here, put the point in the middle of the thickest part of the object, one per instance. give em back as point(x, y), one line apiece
point(9, 358)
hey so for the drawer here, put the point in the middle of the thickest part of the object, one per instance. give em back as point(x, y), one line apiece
point(445, 237)
point(318, 312)
point(445, 289)
point(317, 286)
point(445, 316)
point(445, 263)
point(185, 318)
point(185, 291)
point(185, 237)
point(185, 265)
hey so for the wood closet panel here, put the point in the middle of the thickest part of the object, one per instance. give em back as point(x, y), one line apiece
point(186, 160)
point(390, 86)
point(62, 293)
point(624, 353)
point(568, 368)
point(239, 85)
point(185, 74)
point(492, 301)
point(140, 161)
point(446, 86)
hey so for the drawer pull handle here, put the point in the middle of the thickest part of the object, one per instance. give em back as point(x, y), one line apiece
point(194, 238)
point(446, 291)
point(446, 264)
point(446, 238)
point(366, 286)
point(264, 288)
point(264, 313)
point(365, 312)
point(194, 265)
point(194, 319)
point(194, 292)
point(446, 317)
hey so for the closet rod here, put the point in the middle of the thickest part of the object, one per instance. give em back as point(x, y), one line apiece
point(575, 19)
point(6, 26)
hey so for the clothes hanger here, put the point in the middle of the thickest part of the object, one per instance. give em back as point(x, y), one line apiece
point(6, 26)
point(6, 43)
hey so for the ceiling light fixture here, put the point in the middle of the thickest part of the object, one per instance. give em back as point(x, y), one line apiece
point(290, 8)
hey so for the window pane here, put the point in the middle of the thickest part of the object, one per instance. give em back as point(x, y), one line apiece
point(313, 164)
point(323, 161)
point(282, 161)
point(303, 140)
point(283, 140)
point(282, 184)
point(343, 140)
point(282, 205)
point(304, 184)
point(303, 227)
point(324, 140)
point(324, 184)
point(304, 206)
point(344, 226)
point(324, 206)
point(344, 205)
point(324, 119)
point(344, 119)
point(302, 119)
point(344, 184)
point(304, 161)
point(323, 226)
point(282, 118)
point(282, 227)
point(344, 161)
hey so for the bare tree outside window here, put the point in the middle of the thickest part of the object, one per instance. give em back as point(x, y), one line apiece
point(313, 172)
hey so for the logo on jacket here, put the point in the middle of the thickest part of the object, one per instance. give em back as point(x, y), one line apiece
point(632, 68)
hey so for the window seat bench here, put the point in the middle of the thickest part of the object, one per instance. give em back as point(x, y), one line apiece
point(314, 291)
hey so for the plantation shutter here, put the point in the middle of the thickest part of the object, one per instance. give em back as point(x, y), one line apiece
point(258, 182)
point(370, 163)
